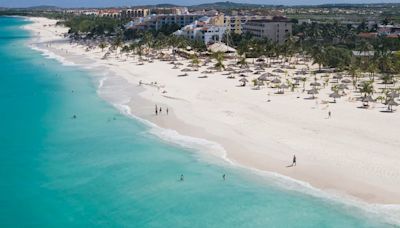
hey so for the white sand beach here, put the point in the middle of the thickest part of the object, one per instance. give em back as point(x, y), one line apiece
point(356, 152)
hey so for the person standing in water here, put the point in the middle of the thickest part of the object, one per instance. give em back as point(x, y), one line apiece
point(182, 178)
point(224, 176)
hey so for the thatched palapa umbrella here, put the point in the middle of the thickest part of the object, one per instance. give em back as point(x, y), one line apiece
point(334, 96)
point(262, 78)
point(315, 84)
point(393, 94)
point(366, 100)
point(312, 92)
point(283, 86)
point(244, 81)
point(342, 87)
point(337, 77)
point(390, 104)
point(276, 81)
point(346, 80)
point(278, 71)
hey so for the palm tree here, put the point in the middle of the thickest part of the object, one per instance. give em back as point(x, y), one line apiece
point(219, 57)
point(160, 42)
point(372, 68)
point(102, 45)
point(125, 49)
point(242, 61)
point(318, 55)
point(176, 42)
point(367, 88)
point(364, 47)
point(355, 73)
point(195, 60)
point(304, 79)
point(148, 39)
point(132, 48)
point(269, 48)
point(288, 49)
point(139, 51)
point(117, 43)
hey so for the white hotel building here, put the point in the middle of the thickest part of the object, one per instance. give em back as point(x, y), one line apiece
point(202, 30)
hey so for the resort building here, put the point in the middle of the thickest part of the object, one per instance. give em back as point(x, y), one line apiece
point(303, 21)
point(235, 23)
point(203, 30)
point(389, 29)
point(277, 29)
point(113, 13)
point(172, 10)
point(133, 13)
point(157, 21)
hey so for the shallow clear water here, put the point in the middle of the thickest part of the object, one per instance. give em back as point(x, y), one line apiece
point(104, 169)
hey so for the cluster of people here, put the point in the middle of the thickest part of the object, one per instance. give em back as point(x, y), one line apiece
point(158, 110)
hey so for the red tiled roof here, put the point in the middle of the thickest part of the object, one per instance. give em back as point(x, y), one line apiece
point(368, 34)
point(393, 36)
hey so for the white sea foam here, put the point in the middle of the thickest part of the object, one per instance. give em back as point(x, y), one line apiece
point(390, 213)
point(101, 82)
point(51, 55)
point(174, 137)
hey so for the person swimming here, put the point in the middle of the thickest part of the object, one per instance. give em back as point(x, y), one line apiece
point(182, 178)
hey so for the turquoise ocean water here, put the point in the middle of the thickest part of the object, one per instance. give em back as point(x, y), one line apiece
point(103, 169)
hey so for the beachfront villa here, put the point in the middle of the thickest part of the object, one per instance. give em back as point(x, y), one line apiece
point(203, 30)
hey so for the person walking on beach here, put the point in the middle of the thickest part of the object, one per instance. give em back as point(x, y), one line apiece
point(167, 111)
point(160, 110)
point(329, 114)
point(294, 160)
point(182, 178)
point(156, 110)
